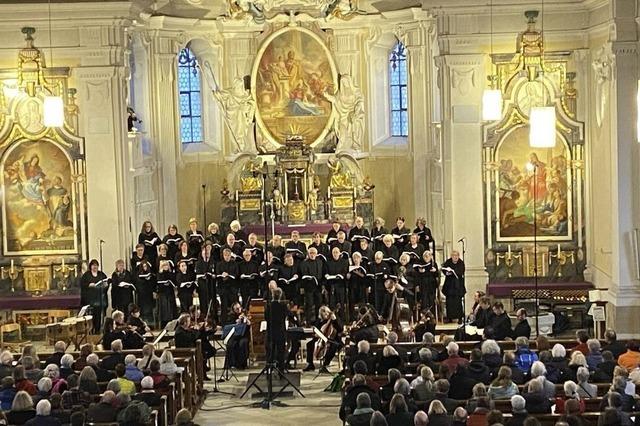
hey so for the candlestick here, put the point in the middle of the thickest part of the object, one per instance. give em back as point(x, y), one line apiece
point(63, 263)
point(509, 249)
point(558, 248)
point(12, 268)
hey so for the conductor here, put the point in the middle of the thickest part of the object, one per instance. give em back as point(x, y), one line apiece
point(275, 315)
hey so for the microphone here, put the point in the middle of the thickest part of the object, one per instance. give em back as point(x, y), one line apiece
point(462, 239)
point(101, 241)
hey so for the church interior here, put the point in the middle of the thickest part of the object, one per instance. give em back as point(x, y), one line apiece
point(400, 212)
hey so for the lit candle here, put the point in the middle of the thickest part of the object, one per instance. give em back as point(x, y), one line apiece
point(558, 248)
point(63, 263)
point(12, 265)
point(509, 249)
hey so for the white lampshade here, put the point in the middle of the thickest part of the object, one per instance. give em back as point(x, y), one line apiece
point(542, 127)
point(53, 111)
point(491, 105)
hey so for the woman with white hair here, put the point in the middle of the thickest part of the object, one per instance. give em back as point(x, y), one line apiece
point(148, 355)
point(557, 366)
point(6, 364)
point(43, 414)
point(59, 385)
point(570, 392)
point(31, 372)
point(437, 413)
point(66, 366)
point(539, 371)
point(238, 233)
point(390, 359)
point(168, 367)
point(44, 389)
point(491, 354)
point(22, 409)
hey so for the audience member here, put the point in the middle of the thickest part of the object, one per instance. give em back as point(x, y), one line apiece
point(581, 337)
point(117, 357)
point(616, 401)
point(6, 364)
point(403, 388)
point(77, 418)
point(59, 349)
point(132, 372)
point(612, 345)
point(363, 355)
point(478, 417)
point(126, 385)
point(7, 393)
point(509, 361)
point(43, 415)
point(57, 411)
point(460, 417)
point(577, 360)
point(631, 358)
point(148, 355)
point(495, 418)
point(438, 413)
point(390, 359)
point(183, 418)
point(31, 371)
point(81, 362)
point(44, 389)
point(73, 396)
point(558, 367)
point(423, 385)
point(103, 412)
point(399, 415)
point(585, 389)
point(618, 390)
point(460, 383)
point(386, 390)
point(570, 393)
point(102, 375)
point(21, 383)
point(22, 409)
point(503, 387)
point(168, 367)
point(477, 369)
point(537, 401)
point(377, 419)
point(66, 366)
point(28, 350)
point(349, 404)
point(454, 360)
point(604, 370)
point(160, 381)
point(442, 395)
point(147, 394)
point(524, 356)
point(538, 371)
point(491, 354)
point(361, 416)
point(594, 357)
point(519, 411)
point(59, 384)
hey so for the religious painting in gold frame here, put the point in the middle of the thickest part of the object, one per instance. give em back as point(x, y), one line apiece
point(291, 73)
point(39, 214)
point(519, 191)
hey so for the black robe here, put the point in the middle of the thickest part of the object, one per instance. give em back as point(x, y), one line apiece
point(146, 283)
point(151, 242)
point(205, 277)
point(171, 242)
point(240, 236)
point(376, 237)
point(357, 234)
point(426, 239)
point(167, 308)
point(278, 253)
point(415, 253)
point(216, 243)
point(195, 240)
point(93, 296)
point(345, 248)
point(400, 236)
point(323, 250)
point(122, 297)
point(297, 249)
point(454, 288)
point(257, 252)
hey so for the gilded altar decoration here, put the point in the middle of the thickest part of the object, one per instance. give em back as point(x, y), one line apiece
point(36, 280)
point(340, 178)
point(348, 103)
point(293, 71)
point(251, 178)
point(261, 11)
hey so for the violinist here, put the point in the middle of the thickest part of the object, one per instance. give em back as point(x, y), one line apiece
point(426, 323)
point(390, 299)
point(331, 327)
point(238, 344)
point(186, 337)
point(172, 239)
point(186, 284)
point(335, 278)
point(135, 322)
point(276, 313)
point(358, 281)
point(205, 275)
point(130, 338)
point(204, 325)
point(249, 277)
point(122, 288)
point(378, 273)
point(165, 292)
point(427, 279)
point(109, 333)
point(366, 325)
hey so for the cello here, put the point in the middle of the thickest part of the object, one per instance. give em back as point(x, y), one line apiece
point(330, 332)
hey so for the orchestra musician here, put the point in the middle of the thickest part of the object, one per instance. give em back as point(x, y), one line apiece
point(227, 274)
point(204, 325)
point(365, 327)
point(424, 235)
point(130, 336)
point(296, 248)
point(311, 275)
point(358, 281)
point(378, 272)
point(427, 280)
point(150, 240)
point(205, 275)
point(238, 344)
point(186, 284)
point(335, 276)
point(377, 233)
point(400, 233)
point(288, 278)
point(194, 238)
point(249, 277)
point(294, 333)
point(93, 292)
point(453, 288)
point(277, 249)
point(392, 289)
point(145, 282)
point(135, 322)
point(332, 328)
point(166, 285)
point(186, 337)
point(122, 288)
point(238, 234)
point(172, 239)
point(358, 233)
point(109, 333)
point(276, 313)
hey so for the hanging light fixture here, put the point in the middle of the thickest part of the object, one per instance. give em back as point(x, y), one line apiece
point(53, 106)
point(491, 97)
point(542, 119)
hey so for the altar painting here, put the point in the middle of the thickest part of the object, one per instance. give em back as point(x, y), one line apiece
point(519, 186)
point(293, 70)
point(38, 199)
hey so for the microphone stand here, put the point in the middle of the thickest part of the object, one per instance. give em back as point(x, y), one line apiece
point(464, 294)
point(204, 203)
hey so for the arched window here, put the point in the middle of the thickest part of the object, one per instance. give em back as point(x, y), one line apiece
point(189, 87)
point(398, 91)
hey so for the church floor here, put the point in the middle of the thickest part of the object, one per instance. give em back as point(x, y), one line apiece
point(318, 408)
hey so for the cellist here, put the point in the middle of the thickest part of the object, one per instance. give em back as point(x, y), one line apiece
point(332, 328)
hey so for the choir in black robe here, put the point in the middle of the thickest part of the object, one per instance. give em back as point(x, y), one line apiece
point(236, 250)
point(94, 296)
point(335, 278)
point(167, 307)
point(332, 235)
point(151, 242)
point(166, 258)
point(356, 234)
point(311, 275)
point(358, 282)
point(122, 296)
point(145, 282)
point(186, 258)
point(427, 279)
point(268, 273)
point(367, 253)
point(172, 244)
point(278, 253)
point(390, 256)
point(322, 249)
point(454, 289)
point(227, 286)
point(186, 284)
point(205, 277)
point(216, 242)
point(195, 240)
point(136, 261)
point(376, 237)
point(289, 281)
point(257, 252)
point(378, 273)
point(240, 236)
point(415, 252)
point(400, 236)
point(297, 249)
point(344, 246)
point(426, 239)
point(249, 278)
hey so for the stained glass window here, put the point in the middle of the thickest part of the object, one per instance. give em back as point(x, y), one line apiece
point(189, 88)
point(398, 91)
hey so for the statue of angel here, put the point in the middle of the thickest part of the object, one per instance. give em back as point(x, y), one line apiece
point(238, 108)
point(349, 105)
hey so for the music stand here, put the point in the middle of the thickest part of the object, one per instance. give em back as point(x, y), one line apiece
point(227, 372)
point(322, 370)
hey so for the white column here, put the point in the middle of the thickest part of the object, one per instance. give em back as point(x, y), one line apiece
point(462, 78)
